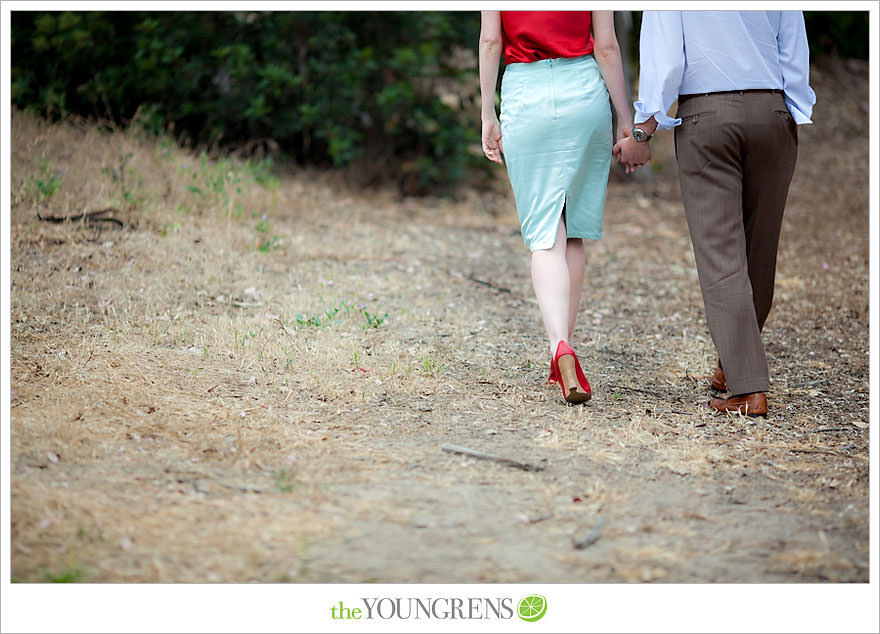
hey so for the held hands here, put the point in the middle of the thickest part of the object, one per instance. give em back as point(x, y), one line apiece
point(626, 150)
point(492, 147)
point(630, 152)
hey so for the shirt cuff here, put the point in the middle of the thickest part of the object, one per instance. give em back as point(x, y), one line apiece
point(800, 117)
point(645, 112)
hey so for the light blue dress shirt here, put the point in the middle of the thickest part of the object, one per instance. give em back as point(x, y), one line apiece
point(693, 52)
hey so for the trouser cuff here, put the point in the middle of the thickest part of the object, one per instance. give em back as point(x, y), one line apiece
point(748, 386)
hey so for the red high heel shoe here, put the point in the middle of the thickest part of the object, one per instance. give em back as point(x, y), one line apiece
point(575, 387)
point(554, 372)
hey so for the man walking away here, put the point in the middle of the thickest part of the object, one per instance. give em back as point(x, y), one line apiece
point(741, 79)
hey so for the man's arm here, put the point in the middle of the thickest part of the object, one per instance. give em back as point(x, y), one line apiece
point(661, 67)
point(794, 59)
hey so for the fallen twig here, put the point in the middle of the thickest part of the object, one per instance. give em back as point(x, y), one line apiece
point(284, 328)
point(242, 489)
point(621, 361)
point(810, 383)
point(270, 338)
point(489, 284)
point(94, 216)
point(473, 453)
point(830, 453)
point(592, 537)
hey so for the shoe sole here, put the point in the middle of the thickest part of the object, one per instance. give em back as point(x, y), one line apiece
point(573, 392)
point(736, 410)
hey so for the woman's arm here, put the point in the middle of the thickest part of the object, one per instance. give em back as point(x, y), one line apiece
point(490, 59)
point(607, 53)
point(606, 50)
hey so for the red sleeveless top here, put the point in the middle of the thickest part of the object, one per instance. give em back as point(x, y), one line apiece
point(532, 35)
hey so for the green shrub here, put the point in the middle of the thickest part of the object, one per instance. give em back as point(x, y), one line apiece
point(840, 33)
point(330, 88)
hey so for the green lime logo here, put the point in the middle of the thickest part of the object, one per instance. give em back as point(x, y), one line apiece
point(532, 608)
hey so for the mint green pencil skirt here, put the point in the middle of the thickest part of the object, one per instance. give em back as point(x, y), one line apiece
point(556, 135)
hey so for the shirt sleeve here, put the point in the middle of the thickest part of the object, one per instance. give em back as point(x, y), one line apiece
point(794, 59)
point(661, 66)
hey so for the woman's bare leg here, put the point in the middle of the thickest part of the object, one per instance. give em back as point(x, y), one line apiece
point(576, 261)
point(553, 287)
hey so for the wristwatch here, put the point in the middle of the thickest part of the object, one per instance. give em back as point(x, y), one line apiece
point(640, 136)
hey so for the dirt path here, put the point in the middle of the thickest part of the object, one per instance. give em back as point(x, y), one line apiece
point(193, 400)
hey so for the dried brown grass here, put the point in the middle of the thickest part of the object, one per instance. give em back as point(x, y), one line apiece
point(172, 421)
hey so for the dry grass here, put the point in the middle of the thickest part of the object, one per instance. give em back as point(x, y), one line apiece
point(187, 406)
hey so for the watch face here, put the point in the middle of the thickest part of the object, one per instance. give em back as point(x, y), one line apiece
point(639, 134)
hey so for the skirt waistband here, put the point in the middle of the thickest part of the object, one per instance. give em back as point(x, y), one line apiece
point(550, 62)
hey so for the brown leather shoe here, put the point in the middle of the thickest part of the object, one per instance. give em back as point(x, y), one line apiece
point(754, 404)
point(719, 383)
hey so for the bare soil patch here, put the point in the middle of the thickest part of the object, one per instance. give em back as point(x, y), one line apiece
point(252, 380)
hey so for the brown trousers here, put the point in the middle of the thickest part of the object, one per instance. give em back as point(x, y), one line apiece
point(736, 154)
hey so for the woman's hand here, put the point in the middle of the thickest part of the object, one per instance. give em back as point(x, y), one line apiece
point(631, 153)
point(490, 58)
point(492, 146)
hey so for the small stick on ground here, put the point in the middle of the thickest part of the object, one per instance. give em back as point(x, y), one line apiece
point(810, 383)
point(621, 362)
point(830, 453)
point(473, 453)
point(592, 537)
point(500, 289)
point(284, 328)
point(626, 388)
point(94, 216)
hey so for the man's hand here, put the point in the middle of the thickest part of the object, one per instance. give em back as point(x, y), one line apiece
point(631, 153)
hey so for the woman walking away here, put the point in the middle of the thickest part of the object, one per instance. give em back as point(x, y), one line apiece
point(555, 135)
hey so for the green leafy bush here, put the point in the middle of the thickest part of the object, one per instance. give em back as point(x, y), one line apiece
point(840, 33)
point(395, 90)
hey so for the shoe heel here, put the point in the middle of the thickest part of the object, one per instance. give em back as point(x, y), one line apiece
point(568, 377)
